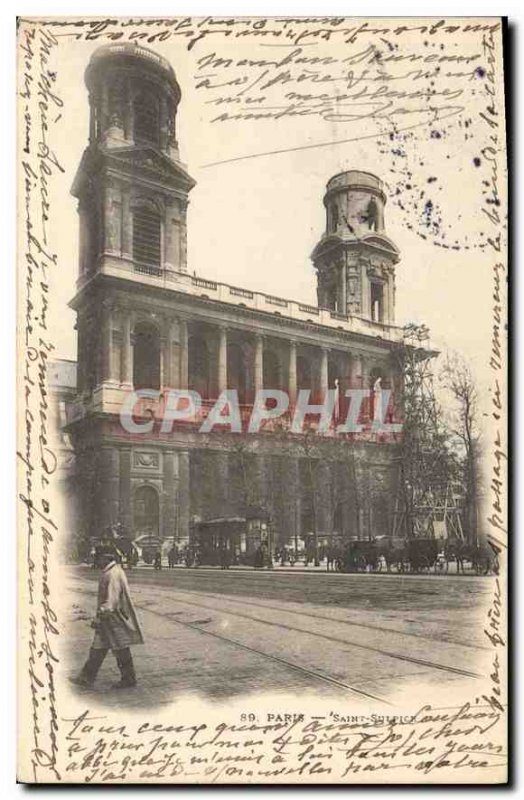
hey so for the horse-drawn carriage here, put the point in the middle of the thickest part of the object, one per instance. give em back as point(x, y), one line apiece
point(422, 554)
point(416, 555)
point(358, 555)
point(386, 555)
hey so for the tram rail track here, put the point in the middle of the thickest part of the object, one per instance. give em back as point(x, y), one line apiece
point(312, 673)
point(171, 617)
point(270, 656)
point(338, 640)
point(325, 618)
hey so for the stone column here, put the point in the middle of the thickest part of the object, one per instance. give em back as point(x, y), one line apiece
point(164, 358)
point(390, 314)
point(171, 238)
point(129, 111)
point(183, 354)
point(107, 344)
point(366, 368)
point(366, 292)
point(80, 355)
point(324, 374)
point(127, 225)
point(83, 238)
point(112, 221)
point(182, 238)
point(342, 294)
point(368, 401)
point(355, 374)
point(292, 373)
point(174, 352)
point(163, 124)
point(222, 359)
point(380, 216)
point(259, 362)
point(104, 109)
point(126, 354)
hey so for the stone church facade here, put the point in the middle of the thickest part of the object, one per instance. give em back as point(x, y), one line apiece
point(143, 321)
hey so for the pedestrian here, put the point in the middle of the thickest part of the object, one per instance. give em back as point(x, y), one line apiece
point(158, 560)
point(116, 626)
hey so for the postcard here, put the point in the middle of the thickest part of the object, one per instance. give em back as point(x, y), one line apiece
point(262, 401)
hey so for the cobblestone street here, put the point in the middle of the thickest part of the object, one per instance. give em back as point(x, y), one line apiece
point(224, 634)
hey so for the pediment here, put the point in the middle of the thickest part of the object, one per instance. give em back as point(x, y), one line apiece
point(333, 241)
point(326, 245)
point(137, 162)
point(150, 163)
point(382, 241)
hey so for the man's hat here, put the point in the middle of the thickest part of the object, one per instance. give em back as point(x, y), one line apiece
point(106, 551)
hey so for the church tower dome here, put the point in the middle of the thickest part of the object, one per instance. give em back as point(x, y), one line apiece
point(355, 259)
point(133, 98)
point(131, 187)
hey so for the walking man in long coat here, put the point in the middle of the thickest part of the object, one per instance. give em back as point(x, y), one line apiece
point(116, 626)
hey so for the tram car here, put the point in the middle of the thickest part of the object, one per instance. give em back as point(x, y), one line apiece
point(229, 541)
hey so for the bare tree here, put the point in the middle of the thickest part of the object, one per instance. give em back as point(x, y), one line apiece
point(457, 379)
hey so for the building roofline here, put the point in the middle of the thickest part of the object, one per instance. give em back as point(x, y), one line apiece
point(379, 334)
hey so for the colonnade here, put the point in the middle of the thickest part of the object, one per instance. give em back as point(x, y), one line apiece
point(170, 337)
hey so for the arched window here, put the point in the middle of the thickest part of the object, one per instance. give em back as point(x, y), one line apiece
point(198, 366)
point(146, 357)
point(146, 512)
point(146, 112)
point(147, 236)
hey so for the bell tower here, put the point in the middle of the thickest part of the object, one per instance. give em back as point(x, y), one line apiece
point(131, 187)
point(355, 260)
point(132, 192)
